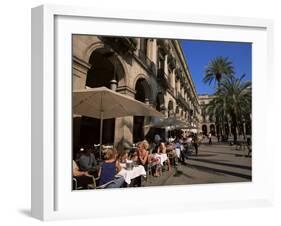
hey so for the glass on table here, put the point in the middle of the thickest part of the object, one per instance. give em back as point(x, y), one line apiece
point(129, 164)
point(135, 164)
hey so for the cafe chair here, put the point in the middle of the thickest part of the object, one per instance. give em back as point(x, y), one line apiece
point(93, 185)
point(75, 184)
point(106, 185)
point(148, 171)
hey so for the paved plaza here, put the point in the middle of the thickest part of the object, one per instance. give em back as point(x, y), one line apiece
point(215, 163)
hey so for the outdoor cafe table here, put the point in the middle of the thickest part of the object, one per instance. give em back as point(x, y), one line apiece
point(163, 157)
point(135, 172)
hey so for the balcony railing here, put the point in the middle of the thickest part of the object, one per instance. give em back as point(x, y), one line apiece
point(164, 45)
point(163, 78)
point(122, 44)
point(182, 101)
point(147, 61)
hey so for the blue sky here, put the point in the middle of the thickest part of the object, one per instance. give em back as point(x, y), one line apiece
point(199, 53)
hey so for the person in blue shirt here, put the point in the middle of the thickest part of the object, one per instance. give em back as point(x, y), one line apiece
point(109, 170)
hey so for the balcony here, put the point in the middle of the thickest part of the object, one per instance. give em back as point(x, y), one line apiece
point(145, 60)
point(164, 45)
point(163, 79)
point(172, 62)
point(123, 44)
point(182, 101)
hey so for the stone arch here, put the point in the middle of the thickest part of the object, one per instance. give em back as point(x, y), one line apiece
point(204, 129)
point(115, 59)
point(106, 69)
point(170, 108)
point(142, 94)
point(160, 102)
point(146, 86)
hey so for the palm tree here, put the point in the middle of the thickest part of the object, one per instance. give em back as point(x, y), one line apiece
point(232, 102)
point(217, 69)
point(216, 111)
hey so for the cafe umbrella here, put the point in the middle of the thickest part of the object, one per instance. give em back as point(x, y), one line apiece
point(103, 103)
point(171, 123)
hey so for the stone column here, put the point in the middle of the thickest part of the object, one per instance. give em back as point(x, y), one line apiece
point(138, 46)
point(173, 79)
point(124, 125)
point(124, 130)
point(152, 53)
point(178, 86)
point(149, 48)
point(182, 91)
point(166, 64)
point(80, 69)
point(79, 77)
point(152, 50)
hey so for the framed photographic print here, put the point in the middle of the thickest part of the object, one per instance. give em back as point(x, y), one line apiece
point(145, 109)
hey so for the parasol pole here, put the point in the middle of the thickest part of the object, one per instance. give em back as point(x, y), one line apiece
point(101, 128)
point(101, 122)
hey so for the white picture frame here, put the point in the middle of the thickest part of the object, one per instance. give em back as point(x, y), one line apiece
point(51, 164)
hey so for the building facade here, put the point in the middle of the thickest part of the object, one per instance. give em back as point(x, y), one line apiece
point(153, 71)
point(208, 125)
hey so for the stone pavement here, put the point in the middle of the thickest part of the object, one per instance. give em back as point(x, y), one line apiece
point(216, 163)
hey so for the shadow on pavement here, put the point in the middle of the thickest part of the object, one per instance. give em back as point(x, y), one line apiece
point(205, 155)
point(179, 173)
point(217, 152)
point(219, 171)
point(221, 163)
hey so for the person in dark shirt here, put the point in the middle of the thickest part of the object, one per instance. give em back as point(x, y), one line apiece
point(83, 178)
point(87, 161)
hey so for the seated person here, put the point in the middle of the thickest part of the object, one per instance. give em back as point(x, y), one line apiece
point(173, 153)
point(123, 157)
point(83, 177)
point(87, 161)
point(162, 150)
point(109, 168)
point(141, 156)
point(146, 145)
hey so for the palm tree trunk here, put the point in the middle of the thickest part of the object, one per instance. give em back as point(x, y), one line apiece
point(235, 134)
point(223, 130)
point(234, 129)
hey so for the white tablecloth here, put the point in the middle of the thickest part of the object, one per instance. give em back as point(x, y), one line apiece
point(178, 152)
point(131, 174)
point(162, 157)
